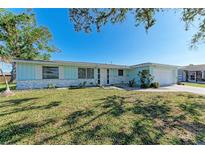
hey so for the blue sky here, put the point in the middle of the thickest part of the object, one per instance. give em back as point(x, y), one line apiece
point(166, 42)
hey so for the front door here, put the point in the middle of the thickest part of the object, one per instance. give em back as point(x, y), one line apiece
point(198, 76)
point(108, 76)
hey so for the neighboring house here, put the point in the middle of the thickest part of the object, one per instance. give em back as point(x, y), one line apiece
point(7, 75)
point(39, 74)
point(192, 73)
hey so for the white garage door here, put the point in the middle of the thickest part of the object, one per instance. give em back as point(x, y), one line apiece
point(164, 76)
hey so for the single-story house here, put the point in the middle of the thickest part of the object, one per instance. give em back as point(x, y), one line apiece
point(192, 73)
point(39, 74)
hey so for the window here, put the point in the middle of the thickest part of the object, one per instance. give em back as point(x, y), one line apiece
point(85, 73)
point(81, 73)
point(50, 72)
point(90, 73)
point(120, 72)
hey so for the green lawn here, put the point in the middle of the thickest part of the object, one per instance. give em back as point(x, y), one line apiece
point(194, 84)
point(3, 86)
point(99, 116)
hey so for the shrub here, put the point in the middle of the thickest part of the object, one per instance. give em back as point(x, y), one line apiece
point(51, 86)
point(203, 79)
point(155, 85)
point(145, 78)
point(132, 83)
point(179, 83)
point(82, 85)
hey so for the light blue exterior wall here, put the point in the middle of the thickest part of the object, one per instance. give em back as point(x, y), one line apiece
point(113, 72)
point(70, 72)
point(26, 71)
point(151, 69)
point(126, 72)
point(95, 73)
point(29, 72)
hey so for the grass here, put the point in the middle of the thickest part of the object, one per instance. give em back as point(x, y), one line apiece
point(99, 116)
point(3, 86)
point(194, 84)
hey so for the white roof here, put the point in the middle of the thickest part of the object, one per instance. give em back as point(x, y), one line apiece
point(194, 67)
point(153, 64)
point(87, 64)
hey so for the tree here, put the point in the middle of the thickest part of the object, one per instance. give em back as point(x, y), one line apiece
point(21, 38)
point(89, 19)
point(145, 78)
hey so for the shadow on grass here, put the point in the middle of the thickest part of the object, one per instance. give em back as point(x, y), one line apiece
point(146, 131)
point(113, 104)
point(15, 102)
point(142, 130)
point(12, 86)
point(181, 141)
point(75, 116)
point(29, 108)
point(81, 137)
point(192, 108)
point(152, 110)
point(11, 134)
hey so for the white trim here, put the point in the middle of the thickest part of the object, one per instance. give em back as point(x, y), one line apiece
point(154, 65)
point(61, 72)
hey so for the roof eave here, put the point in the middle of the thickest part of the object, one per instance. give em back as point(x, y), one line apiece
point(73, 63)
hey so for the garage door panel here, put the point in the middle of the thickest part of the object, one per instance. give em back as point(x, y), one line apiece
point(164, 76)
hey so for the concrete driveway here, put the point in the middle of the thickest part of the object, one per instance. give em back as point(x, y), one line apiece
point(177, 88)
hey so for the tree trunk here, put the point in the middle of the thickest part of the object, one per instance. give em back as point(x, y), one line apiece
point(7, 92)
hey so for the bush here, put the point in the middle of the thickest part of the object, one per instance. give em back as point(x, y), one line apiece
point(144, 86)
point(145, 78)
point(155, 85)
point(132, 83)
point(82, 85)
point(51, 86)
point(202, 79)
point(179, 83)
